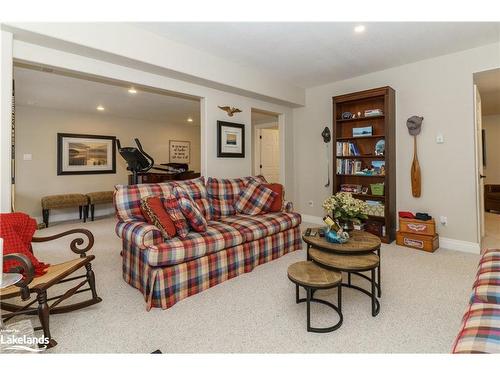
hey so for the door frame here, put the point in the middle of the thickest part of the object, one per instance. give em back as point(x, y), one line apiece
point(478, 166)
point(256, 149)
point(6, 76)
point(281, 133)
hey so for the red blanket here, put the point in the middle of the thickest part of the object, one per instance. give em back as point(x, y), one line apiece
point(17, 230)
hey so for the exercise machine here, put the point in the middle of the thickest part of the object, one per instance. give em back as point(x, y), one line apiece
point(138, 161)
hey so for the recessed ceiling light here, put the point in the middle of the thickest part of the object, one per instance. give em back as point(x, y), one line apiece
point(189, 119)
point(359, 28)
point(100, 108)
point(132, 91)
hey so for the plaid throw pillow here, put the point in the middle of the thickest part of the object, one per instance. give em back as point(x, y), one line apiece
point(190, 210)
point(224, 192)
point(255, 199)
point(173, 208)
point(198, 191)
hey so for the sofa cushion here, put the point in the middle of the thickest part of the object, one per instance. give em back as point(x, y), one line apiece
point(190, 210)
point(217, 237)
point(223, 193)
point(155, 213)
point(254, 199)
point(127, 199)
point(198, 191)
point(480, 330)
point(258, 226)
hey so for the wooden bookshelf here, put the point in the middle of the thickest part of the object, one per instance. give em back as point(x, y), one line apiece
point(383, 127)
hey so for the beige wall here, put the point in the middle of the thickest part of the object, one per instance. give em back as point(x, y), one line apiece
point(36, 134)
point(441, 90)
point(491, 124)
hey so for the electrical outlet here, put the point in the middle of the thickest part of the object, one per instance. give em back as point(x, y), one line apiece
point(310, 204)
point(440, 139)
point(27, 157)
point(443, 220)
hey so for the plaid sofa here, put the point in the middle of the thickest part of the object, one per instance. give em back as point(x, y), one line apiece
point(167, 271)
point(480, 327)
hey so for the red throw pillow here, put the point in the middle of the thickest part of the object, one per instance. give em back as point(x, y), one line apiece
point(155, 213)
point(254, 199)
point(277, 205)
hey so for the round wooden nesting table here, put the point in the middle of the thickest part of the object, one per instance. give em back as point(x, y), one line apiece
point(311, 277)
point(360, 242)
point(360, 254)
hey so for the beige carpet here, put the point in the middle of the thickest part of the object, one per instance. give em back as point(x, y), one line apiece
point(424, 296)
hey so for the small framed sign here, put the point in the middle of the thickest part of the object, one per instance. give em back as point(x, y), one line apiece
point(180, 152)
point(230, 140)
point(85, 154)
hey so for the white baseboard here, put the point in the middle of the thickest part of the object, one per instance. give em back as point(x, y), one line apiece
point(445, 243)
point(459, 245)
point(312, 219)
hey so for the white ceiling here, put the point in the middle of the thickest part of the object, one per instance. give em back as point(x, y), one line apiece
point(50, 90)
point(488, 84)
point(310, 54)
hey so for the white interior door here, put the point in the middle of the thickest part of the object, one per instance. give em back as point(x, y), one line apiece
point(269, 154)
point(479, 159)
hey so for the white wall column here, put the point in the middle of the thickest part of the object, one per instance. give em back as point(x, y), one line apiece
point(5, 120)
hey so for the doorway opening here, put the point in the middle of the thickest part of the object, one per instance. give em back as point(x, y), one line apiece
point(487, 122)
point(67, 126)
point(266, 145)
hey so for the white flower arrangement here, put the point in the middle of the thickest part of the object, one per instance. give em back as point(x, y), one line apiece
point(346, 208)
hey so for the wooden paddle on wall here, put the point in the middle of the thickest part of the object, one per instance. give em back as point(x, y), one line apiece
point(416, 178)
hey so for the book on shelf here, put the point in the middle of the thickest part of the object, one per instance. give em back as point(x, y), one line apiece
point(347, 149)
point(351, 188)
point(348, 166)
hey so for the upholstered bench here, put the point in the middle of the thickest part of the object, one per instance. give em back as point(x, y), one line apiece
point(63, 201)
point(98, 197)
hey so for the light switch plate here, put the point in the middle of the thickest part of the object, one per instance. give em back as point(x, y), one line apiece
point(440, 138)
point(27, 157)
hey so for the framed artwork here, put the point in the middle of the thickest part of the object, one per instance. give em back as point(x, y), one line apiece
point(179, 152)
point(85, 154)
point(230, 140)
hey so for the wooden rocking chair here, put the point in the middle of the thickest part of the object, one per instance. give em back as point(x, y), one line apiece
point(56, 274)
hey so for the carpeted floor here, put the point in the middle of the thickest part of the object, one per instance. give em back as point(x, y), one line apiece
point(424, 297)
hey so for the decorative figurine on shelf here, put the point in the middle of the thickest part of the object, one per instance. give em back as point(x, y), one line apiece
point(359, 114)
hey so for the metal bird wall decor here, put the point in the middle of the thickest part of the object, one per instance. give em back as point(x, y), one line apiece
point(230, 110)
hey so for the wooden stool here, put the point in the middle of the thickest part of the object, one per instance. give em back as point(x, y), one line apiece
point(98, 197)
point(352, 264)
point(63, 201)
point(312, 277)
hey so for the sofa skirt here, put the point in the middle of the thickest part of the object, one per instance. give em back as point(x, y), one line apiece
point(165, 286)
